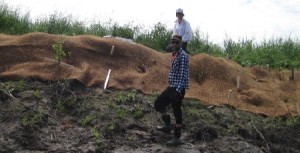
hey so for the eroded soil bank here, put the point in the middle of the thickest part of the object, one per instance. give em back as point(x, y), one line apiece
point(65, 116)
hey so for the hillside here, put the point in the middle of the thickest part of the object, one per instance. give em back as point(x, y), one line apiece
point(134, 66)
point(47, 107)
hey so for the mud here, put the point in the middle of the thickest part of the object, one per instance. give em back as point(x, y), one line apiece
point(64, 116)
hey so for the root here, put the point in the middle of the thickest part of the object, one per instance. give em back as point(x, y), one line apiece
point(261, 135)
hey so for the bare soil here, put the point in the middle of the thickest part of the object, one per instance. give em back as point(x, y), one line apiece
point(65, 116)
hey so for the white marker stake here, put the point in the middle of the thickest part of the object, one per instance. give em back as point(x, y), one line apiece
point(229, 95)
point(112, 50)
point(107, 77)
point(238, 82)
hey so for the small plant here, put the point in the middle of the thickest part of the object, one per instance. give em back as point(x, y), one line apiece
point(111, 105)
point(68, 104)
point(111, 127)
point(33, 120)
point(87, 119)
point(59, 52)
point(121, 113)
point(11, 87)
point(97, 136)
point(291, 121)
point(137, 112)
point(37, 94)
point(60, 105)
point(132, 137)
point(123, 98)
point(120, 98)
point(132, 96)
point(16, 86)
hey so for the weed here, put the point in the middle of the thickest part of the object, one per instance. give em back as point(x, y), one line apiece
point(14, 86)
point(132, 137)
point(132, 97)
point(111, 127)
point(64, 104)
point(290, 121)
point(33, 120)
point(60, 105)
point(81, 108)
point(112, 105)
point(59, 52)
point(37, 94)
point(137, 112)
point(11, 87)
point(122, 98)
point(87, 119)
point(97, 135)
point(121, 113)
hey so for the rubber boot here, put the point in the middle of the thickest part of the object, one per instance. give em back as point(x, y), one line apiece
point(166, 128)
point(176, 139)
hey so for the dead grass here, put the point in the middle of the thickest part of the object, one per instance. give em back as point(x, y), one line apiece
point(27, 56)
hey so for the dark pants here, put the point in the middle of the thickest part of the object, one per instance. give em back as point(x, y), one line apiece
point(167, 97)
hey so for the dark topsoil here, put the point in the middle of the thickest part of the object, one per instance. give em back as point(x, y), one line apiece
point(65, 116)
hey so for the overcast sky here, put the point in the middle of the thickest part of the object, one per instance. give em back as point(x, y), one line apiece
point(219, 19)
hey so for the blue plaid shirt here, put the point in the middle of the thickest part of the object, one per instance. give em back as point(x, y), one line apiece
point(179, 73)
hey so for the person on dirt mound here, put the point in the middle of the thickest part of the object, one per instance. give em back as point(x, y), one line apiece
point(182, 28)
point(174, 93)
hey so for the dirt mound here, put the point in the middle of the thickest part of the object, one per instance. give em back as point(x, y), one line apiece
point(133, 66)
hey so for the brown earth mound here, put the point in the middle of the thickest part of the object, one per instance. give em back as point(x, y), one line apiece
point(213, 80)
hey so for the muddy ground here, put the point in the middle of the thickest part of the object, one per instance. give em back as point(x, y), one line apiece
point(64, 116)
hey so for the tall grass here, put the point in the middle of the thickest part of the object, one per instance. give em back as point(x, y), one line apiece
point(274, 53)
point(11, 22)
point(277, 53)
point(59, 24)
point(157, 38)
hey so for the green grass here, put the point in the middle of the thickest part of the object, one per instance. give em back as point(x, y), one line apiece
point(276, 53)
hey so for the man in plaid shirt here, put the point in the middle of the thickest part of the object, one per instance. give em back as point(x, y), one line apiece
point(174, 93)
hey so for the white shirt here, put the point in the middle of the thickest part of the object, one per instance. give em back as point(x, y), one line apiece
point(183, 29)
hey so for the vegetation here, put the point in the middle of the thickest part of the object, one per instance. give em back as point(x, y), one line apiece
point(59, 52)
point(276, 53)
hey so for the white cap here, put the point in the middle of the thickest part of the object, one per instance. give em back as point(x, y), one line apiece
point(179, 11)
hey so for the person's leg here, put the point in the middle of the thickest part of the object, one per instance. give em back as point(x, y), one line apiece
point(162, 101)
point(160, 106)
point(176, 102)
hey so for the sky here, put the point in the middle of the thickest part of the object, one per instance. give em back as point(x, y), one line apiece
point(217, 19)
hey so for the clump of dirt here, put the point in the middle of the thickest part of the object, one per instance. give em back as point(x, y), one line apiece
point(65, 116)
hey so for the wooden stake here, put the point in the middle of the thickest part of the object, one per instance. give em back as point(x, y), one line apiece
point(229, 95)
point(238, 82)
point(112, 50)
point(107, 77)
